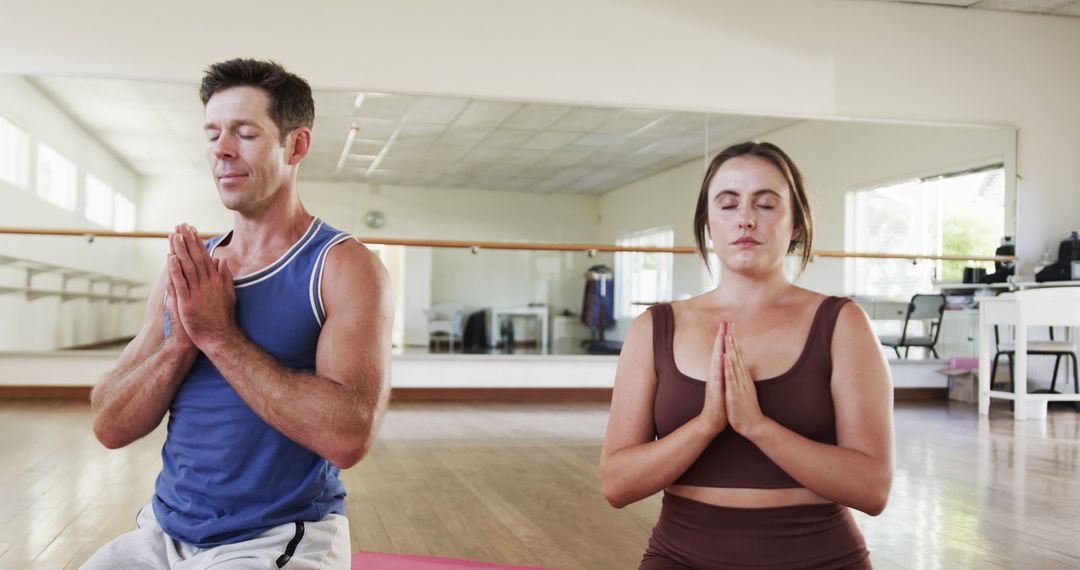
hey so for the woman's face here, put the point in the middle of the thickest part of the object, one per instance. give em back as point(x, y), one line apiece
point(751, 220)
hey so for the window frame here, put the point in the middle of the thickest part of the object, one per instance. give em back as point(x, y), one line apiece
point(61, 197)
point(91, 183)
point(627, 262)
point(857, 270)
point(20, 158)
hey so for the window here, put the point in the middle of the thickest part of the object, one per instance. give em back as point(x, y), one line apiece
point(56, 181)
point(953, 214)
point(123, 213)
point(99, 202)
point(644, 278)
point(14, 149)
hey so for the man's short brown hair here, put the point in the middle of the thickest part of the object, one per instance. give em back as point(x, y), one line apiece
point(291, 104)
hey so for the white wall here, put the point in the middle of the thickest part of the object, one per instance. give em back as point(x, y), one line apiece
point(823, 58)
point(839, 156)
point(415, 295)
point(486, 279)
point(835, 158)
point(48, 323)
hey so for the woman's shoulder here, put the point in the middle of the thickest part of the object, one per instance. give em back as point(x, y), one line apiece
point(838, 309)
point(691, 303)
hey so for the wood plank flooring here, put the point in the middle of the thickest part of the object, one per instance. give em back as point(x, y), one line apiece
point(518, 484)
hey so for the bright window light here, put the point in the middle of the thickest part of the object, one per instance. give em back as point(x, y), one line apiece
point(99, 202)
point(56, 180)
point(123, 214)
point(954, 214)
point(14, 154)
point(644, 278)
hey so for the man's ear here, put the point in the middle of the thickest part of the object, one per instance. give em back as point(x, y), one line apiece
point(298, 145)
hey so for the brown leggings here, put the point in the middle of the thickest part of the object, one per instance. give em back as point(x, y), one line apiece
point(691, 534)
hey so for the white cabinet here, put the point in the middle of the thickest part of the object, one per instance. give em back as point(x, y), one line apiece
point(959, 333)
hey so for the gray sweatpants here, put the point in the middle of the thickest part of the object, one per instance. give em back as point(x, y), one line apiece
point(323, 545)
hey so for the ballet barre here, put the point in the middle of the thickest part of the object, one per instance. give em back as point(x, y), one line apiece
point(477, 246)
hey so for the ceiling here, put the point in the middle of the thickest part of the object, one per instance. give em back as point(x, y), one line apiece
point(417, 140)
point(1054, 7)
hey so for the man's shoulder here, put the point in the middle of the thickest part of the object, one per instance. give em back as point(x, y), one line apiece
point(351, 261)
point(350, 252)
point(354, 277)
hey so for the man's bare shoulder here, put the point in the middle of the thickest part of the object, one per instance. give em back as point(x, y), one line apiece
point(353, 265)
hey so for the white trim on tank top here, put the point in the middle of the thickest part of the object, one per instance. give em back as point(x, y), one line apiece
point(284, 260)
point(317, 270)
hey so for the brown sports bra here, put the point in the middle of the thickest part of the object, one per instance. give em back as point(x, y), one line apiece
point(799, 399)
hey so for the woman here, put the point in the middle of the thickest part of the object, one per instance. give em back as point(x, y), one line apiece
point(792, 423)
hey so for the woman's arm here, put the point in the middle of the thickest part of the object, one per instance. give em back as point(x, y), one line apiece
point(856, 472)
point(634, 464)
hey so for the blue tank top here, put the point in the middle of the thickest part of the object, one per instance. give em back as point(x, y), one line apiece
point(227, 475)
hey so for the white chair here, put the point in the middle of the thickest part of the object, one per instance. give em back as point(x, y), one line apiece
point(444, 322)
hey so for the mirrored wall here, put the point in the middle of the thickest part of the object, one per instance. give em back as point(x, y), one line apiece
point(96, 154)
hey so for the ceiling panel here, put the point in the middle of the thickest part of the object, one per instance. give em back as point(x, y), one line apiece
point(583, 119)
point(535, 116)
point(486, 113)
point(1050, 7)
point(438, 110)
point(400, 139)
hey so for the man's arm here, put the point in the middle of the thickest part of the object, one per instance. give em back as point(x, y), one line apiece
point(334, 412)
point(130, 400)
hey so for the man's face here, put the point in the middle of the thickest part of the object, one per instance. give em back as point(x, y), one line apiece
point(246, 156)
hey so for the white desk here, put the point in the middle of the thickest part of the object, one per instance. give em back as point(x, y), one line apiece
point(1056, 306)
point(495, 314)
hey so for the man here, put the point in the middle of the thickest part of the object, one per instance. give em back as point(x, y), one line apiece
point(275, 379)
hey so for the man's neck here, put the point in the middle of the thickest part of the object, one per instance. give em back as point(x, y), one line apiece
point(277, 226)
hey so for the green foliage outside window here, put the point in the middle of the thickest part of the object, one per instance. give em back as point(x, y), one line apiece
point(967, 236)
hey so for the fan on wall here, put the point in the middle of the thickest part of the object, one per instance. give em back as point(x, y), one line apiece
point(374, 219)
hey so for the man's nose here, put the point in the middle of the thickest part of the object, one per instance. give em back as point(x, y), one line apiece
point(224, 147)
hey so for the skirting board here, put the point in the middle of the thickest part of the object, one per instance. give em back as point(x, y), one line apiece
point(546, 395)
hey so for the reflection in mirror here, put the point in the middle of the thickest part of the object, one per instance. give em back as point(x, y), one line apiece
point(101, 154)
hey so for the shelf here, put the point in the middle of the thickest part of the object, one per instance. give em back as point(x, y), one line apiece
point(119, 288)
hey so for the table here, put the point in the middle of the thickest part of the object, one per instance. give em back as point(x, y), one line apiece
point(540, 312)
point(1056, 306)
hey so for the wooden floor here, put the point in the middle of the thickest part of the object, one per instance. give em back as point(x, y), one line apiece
point(517, 483)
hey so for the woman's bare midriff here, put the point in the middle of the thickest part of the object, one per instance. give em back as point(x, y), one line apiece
point(748, 498)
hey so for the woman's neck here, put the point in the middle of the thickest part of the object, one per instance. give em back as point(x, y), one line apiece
point(750, 291)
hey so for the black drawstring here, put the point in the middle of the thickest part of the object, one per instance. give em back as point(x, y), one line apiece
point(291, 547)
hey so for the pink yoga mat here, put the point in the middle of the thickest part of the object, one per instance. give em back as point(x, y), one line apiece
point(379, 561)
